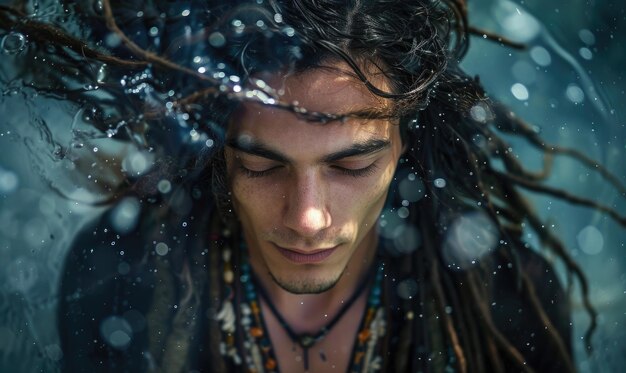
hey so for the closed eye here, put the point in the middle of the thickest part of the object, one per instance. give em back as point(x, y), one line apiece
point(357, 172)
point(254, 173)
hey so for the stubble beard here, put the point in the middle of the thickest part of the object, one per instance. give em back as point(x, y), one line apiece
point(315, 286)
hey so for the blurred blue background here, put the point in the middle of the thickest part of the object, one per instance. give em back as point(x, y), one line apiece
point(569, 82)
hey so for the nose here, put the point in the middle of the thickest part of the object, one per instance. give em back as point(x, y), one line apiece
point(306, 210)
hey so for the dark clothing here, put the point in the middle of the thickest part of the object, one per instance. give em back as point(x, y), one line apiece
point(128, 308)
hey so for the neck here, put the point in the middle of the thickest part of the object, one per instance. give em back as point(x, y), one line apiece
point(307, 313)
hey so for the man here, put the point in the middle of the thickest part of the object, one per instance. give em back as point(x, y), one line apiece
point(351, 223)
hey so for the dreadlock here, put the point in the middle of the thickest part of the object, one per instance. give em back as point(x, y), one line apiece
point(417, 45)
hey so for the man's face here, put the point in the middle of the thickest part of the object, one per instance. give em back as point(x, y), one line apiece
point(308, 195)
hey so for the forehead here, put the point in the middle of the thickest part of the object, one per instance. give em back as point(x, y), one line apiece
point(332, 89)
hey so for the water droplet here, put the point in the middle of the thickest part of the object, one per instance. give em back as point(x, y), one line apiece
point(481, 113)
point(12, 43)
point(520, 91)
point(521, 26)
point(116, 331)
point(98, 7)
point(154, 31)
point(585, 53)
point(541, 56)
point(406, 238)
point(125, 215)
point(289, 31)
point(574, 93)
point(403, 212)
point(112, 40)
point(587, 37)
point(161, 249)
point(8, 181)
point(439, 183)
point(137, 163)
point(164, 186)
point(469, 238)
point(185, 12)
point(102, 73)
point(590, 240)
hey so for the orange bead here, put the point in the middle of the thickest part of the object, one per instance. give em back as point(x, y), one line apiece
point(270, 364)
point(364, 335)
point(256, 332)
point(358, 357)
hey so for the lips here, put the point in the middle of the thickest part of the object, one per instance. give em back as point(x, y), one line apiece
point(301, 257)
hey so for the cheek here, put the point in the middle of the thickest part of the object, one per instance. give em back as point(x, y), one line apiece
point(362, 202)
point(257, 199)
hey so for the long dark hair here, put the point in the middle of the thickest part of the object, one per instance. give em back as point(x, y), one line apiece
point(183, 68)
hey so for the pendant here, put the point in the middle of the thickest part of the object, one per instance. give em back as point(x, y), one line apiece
point(306, 341)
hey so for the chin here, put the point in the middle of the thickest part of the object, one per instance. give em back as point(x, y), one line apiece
point(304, 285)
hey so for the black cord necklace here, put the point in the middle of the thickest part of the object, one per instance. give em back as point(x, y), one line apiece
point(306, 340)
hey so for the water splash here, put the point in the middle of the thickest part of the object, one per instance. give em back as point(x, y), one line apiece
point(520, 25)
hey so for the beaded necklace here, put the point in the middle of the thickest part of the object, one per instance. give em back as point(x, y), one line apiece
point(258, 353)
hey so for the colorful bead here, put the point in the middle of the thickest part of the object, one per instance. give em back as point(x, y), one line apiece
point(228, 276)
point(364, 335)
point(270, 364)
point(256, 332)
point(259, 355)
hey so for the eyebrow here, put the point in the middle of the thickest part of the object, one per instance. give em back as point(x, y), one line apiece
point(259, 149)
point(369, 113)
